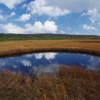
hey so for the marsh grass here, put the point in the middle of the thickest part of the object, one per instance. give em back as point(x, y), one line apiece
point(29, 46)
point(72, 83)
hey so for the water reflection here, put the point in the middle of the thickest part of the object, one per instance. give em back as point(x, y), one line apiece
point(94, 63)
point(46, 55)
point(48, 62)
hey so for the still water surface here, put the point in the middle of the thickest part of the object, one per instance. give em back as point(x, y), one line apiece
point(48, 62)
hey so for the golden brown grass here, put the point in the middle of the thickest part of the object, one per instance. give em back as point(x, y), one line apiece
point(81, 46)
point(72, 83)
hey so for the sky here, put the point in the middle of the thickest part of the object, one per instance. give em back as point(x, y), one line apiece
point(74, 17)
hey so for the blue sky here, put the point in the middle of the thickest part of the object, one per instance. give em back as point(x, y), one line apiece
point(50, 16)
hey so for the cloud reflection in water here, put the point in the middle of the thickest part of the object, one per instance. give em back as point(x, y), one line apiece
point(49, 62)
point(46, 55)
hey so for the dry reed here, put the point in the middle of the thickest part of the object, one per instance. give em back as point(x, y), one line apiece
point(72, 83)
point(80, 46)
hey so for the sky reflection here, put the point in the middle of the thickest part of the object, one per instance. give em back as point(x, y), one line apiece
point(48, 62)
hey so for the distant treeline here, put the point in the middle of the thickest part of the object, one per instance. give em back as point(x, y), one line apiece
point(48, 36)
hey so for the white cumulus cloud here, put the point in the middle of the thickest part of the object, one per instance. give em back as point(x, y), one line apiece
point(24, 6)
point(57, 8)
point(24, 17)
point(86, 27)
point(12, 14)
point(75, 5)
point(94, 15)
point(5, 17)
point(1, 17)
point(38, 27)
point(11, 3)
point(41, 7)
point(11, 28)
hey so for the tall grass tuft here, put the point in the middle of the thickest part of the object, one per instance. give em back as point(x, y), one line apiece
point(72, 83)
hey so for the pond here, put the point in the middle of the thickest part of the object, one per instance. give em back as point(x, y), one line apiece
point(48, 62)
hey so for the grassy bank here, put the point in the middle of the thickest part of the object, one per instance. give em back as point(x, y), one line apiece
point(87, 46)
point(41, 38)
point(13, 38)
point(69, 84)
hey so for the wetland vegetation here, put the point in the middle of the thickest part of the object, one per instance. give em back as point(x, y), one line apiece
point(72, 83)
point(12, 43)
